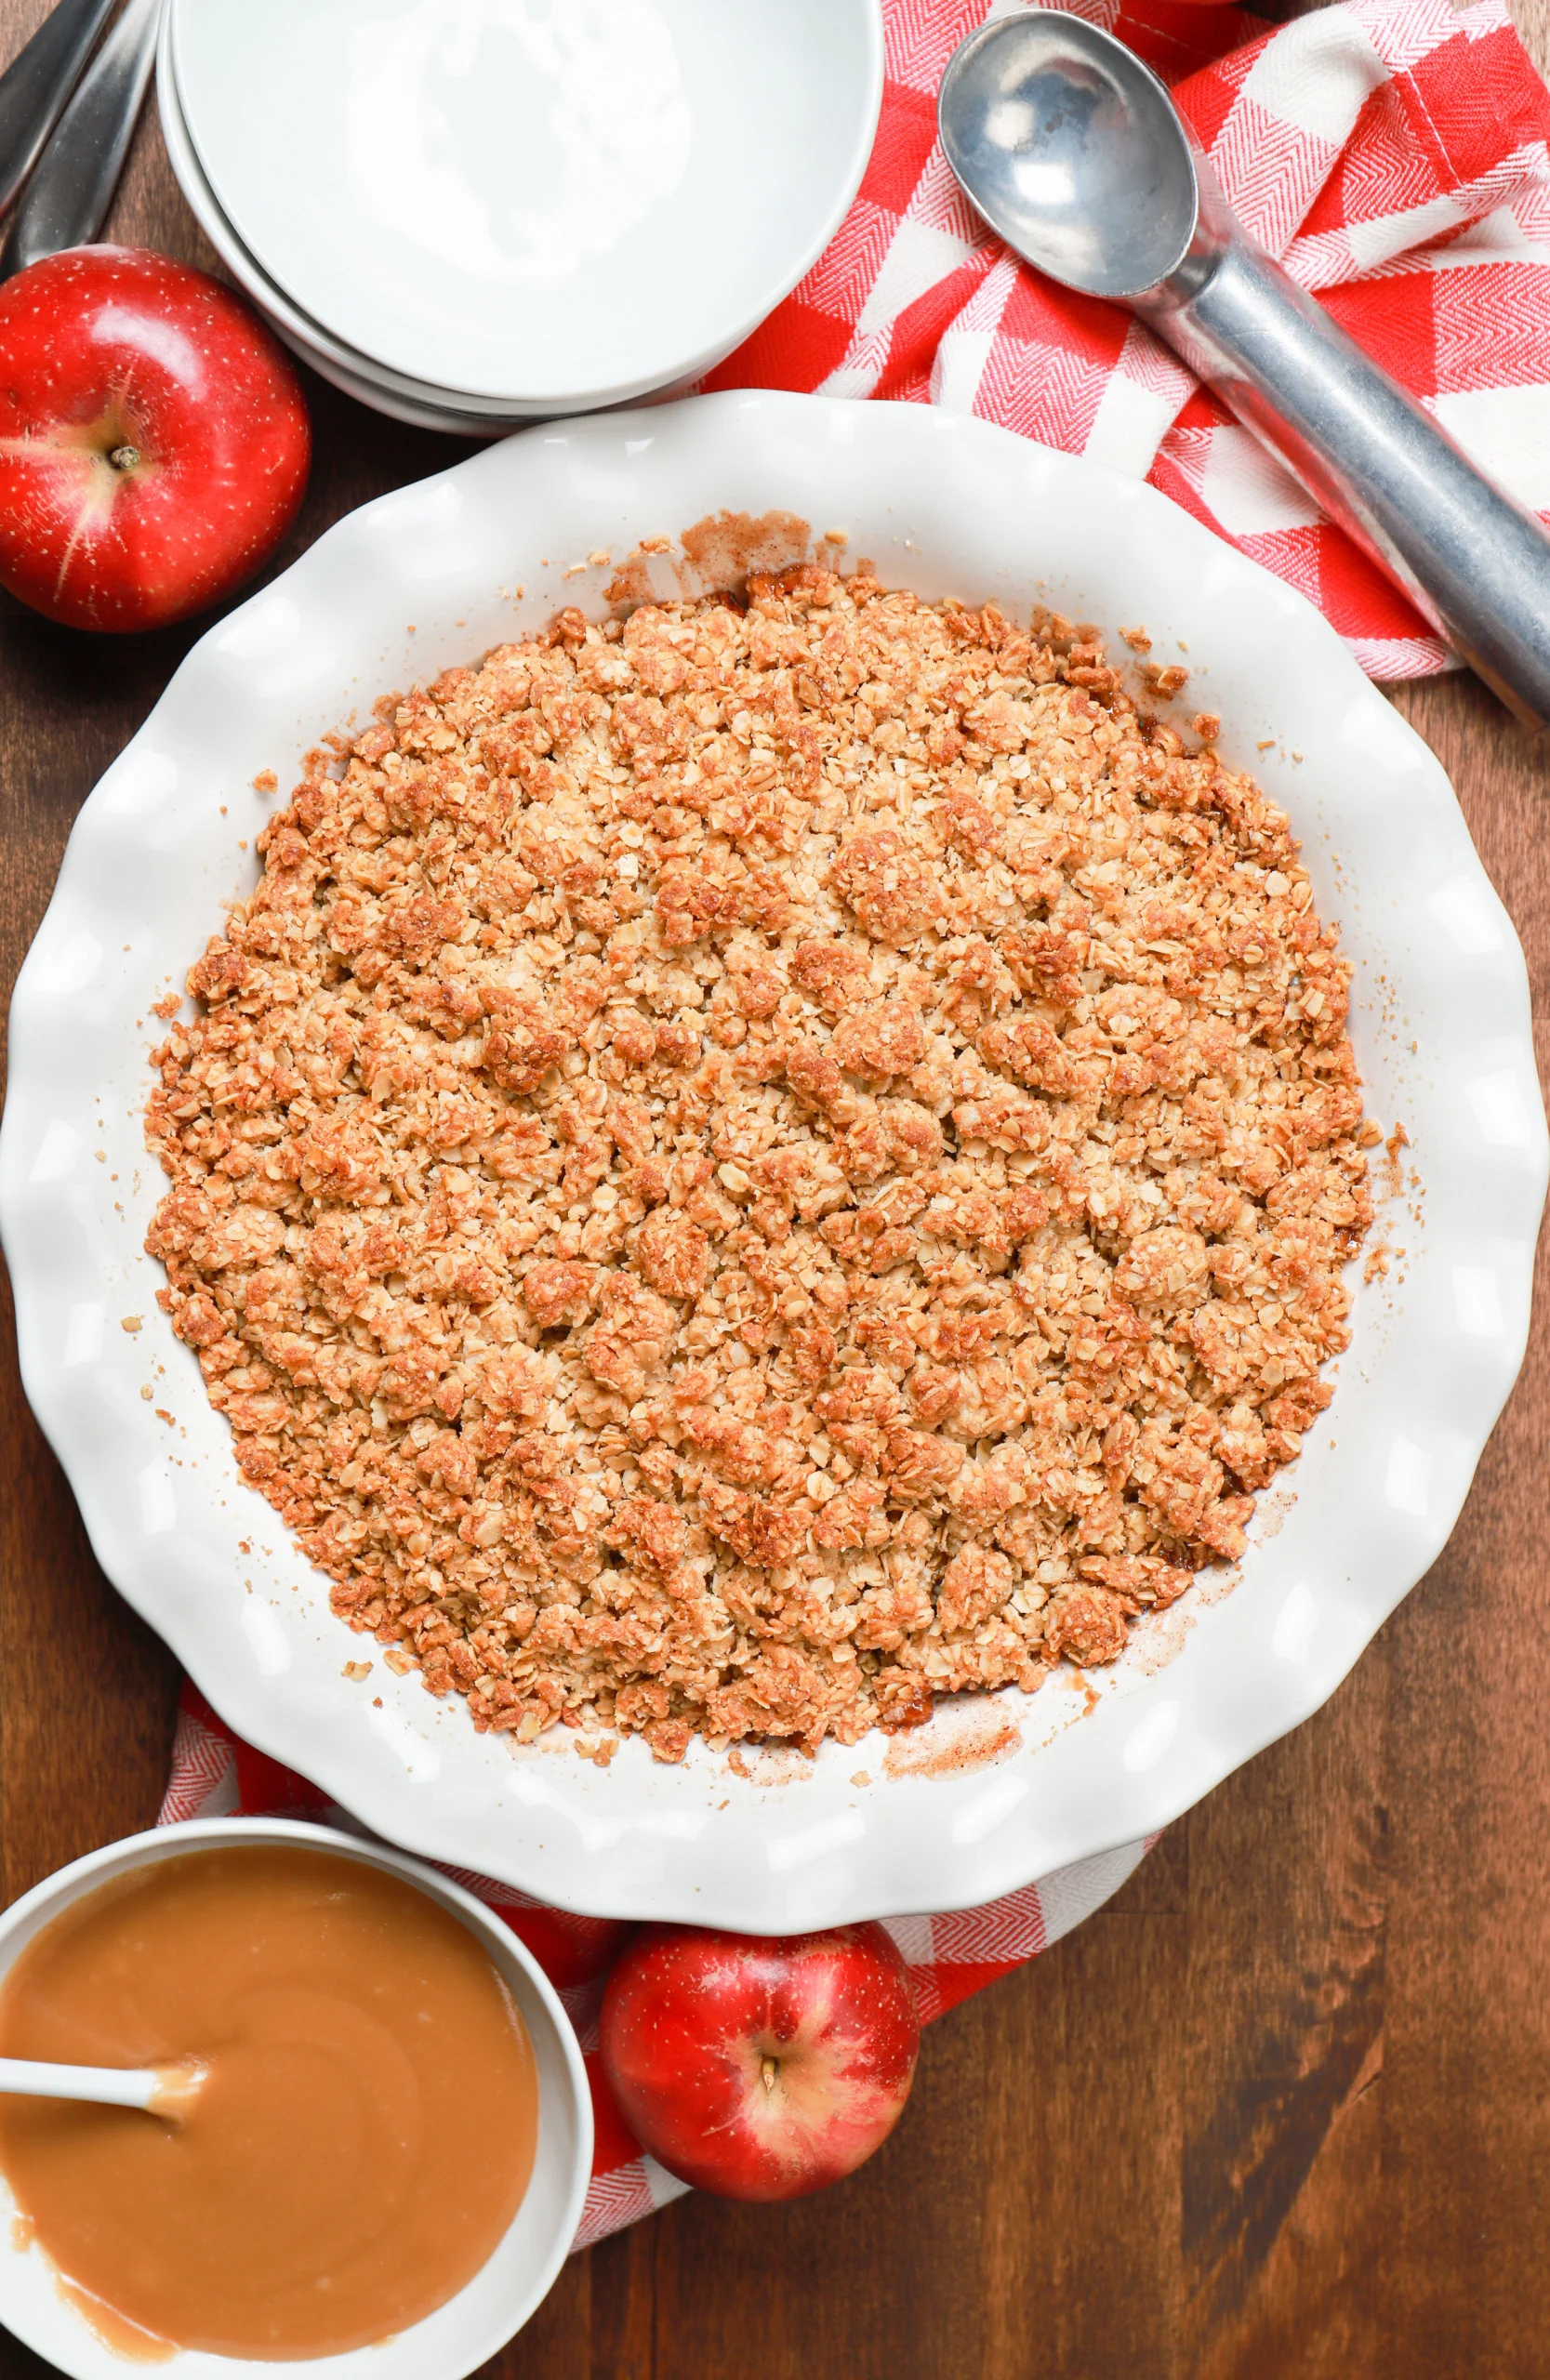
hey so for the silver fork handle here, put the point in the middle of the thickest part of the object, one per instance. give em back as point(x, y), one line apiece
point(72, 187)
point(1474, 561)
point(36, 83)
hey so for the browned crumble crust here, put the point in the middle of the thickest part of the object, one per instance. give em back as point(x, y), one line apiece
point(740, 1172)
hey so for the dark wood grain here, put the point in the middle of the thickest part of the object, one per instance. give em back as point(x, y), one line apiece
point(1277, 2110)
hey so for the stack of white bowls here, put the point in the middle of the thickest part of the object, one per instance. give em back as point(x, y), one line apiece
point(476, 213)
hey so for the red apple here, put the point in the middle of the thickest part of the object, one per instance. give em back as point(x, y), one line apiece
point(757, 2067)
point(153, 439)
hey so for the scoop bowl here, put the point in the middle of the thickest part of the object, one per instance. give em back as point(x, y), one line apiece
point(1072, 150)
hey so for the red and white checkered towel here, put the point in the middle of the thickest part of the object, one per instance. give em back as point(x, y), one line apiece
point(1393, 154)
point(215, 1774)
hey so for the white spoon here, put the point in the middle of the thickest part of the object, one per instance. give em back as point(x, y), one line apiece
point(162, 2090)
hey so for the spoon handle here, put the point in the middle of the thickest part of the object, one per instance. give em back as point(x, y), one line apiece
point(109, 2086)
point(36, 83)
point(1474, 561)
point(72, 186)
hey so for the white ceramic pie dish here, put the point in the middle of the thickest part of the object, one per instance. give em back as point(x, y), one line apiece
point(532, 209)
point(991, 1794)
point(462, 2334)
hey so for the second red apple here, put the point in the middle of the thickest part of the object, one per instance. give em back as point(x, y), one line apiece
point(760, 2066)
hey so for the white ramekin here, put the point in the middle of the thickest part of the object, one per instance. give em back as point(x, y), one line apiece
point(420, 330)
point(470, 2327)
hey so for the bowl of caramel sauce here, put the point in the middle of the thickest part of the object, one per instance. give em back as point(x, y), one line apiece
point(380, 2161)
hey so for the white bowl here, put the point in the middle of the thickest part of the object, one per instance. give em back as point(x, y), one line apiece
point(357, 376)
point(470, 2327)
point(548, 207)
point(435, 574)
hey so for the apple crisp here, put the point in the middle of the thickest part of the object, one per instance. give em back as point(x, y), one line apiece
point(750, 1166)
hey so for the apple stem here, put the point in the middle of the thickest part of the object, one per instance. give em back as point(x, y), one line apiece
point(768, 2071)
point(123, 458)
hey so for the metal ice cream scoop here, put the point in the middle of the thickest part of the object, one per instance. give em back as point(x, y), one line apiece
point(1073, 150)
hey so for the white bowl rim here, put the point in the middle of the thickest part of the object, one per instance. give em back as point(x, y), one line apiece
point(647, 1843)
point(674, 371)
point(154, 1843)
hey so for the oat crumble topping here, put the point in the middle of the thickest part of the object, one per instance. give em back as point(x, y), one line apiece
point(743, 1169)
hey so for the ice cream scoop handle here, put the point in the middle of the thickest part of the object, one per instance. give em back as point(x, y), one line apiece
point(1474, 561)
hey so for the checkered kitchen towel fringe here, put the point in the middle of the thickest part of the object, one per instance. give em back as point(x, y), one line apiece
point(1393, 154)
point(215, 1774)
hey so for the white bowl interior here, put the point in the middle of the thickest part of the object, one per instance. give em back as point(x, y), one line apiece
point(357, 376)
point(470, 2327)
point(991, 1794)
point(554, 204)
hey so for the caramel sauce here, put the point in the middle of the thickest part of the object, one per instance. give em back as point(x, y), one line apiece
point(362, 2138)
point(125, 2339)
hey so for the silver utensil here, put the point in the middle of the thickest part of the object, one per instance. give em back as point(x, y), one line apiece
point(36, 83)
point(72, 186)
point(1074, 152)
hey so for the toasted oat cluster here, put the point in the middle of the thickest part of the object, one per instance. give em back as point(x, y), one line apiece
point(747, 1168)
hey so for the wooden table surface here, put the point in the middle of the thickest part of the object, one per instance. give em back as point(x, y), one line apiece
point(1279, 2109)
